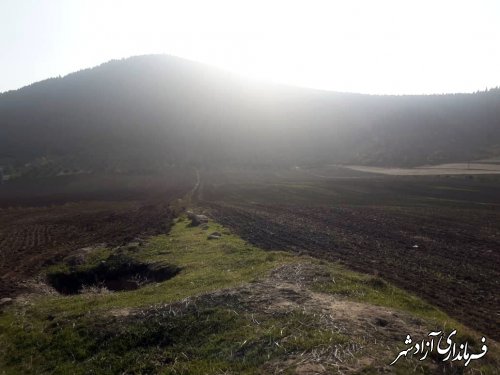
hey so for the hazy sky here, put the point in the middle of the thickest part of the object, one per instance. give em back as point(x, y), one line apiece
point(389, 47)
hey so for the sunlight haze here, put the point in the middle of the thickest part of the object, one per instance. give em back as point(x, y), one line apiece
point(383, 47)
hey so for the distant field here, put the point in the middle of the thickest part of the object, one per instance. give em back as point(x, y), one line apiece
point(95, 187)
point(441, 169)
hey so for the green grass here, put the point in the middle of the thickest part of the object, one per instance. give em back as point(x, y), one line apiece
point(201, 340)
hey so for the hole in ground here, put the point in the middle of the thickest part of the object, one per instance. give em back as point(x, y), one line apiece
point(116, 274)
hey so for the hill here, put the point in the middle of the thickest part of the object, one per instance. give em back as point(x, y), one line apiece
point(147, 113)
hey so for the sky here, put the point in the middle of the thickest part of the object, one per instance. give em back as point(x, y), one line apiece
point(374, 47)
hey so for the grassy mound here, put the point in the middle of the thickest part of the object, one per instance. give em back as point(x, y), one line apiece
point(215, 316)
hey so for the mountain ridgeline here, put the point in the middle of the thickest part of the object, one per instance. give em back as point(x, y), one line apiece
point(145, 112)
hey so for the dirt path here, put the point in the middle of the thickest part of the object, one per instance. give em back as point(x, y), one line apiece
point(194, 193)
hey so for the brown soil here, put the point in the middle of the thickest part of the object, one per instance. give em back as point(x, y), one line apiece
point(454, 265)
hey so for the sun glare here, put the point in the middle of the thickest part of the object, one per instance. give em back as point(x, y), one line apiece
point(362, 46)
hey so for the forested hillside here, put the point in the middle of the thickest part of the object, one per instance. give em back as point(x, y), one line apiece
point(149, 112)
